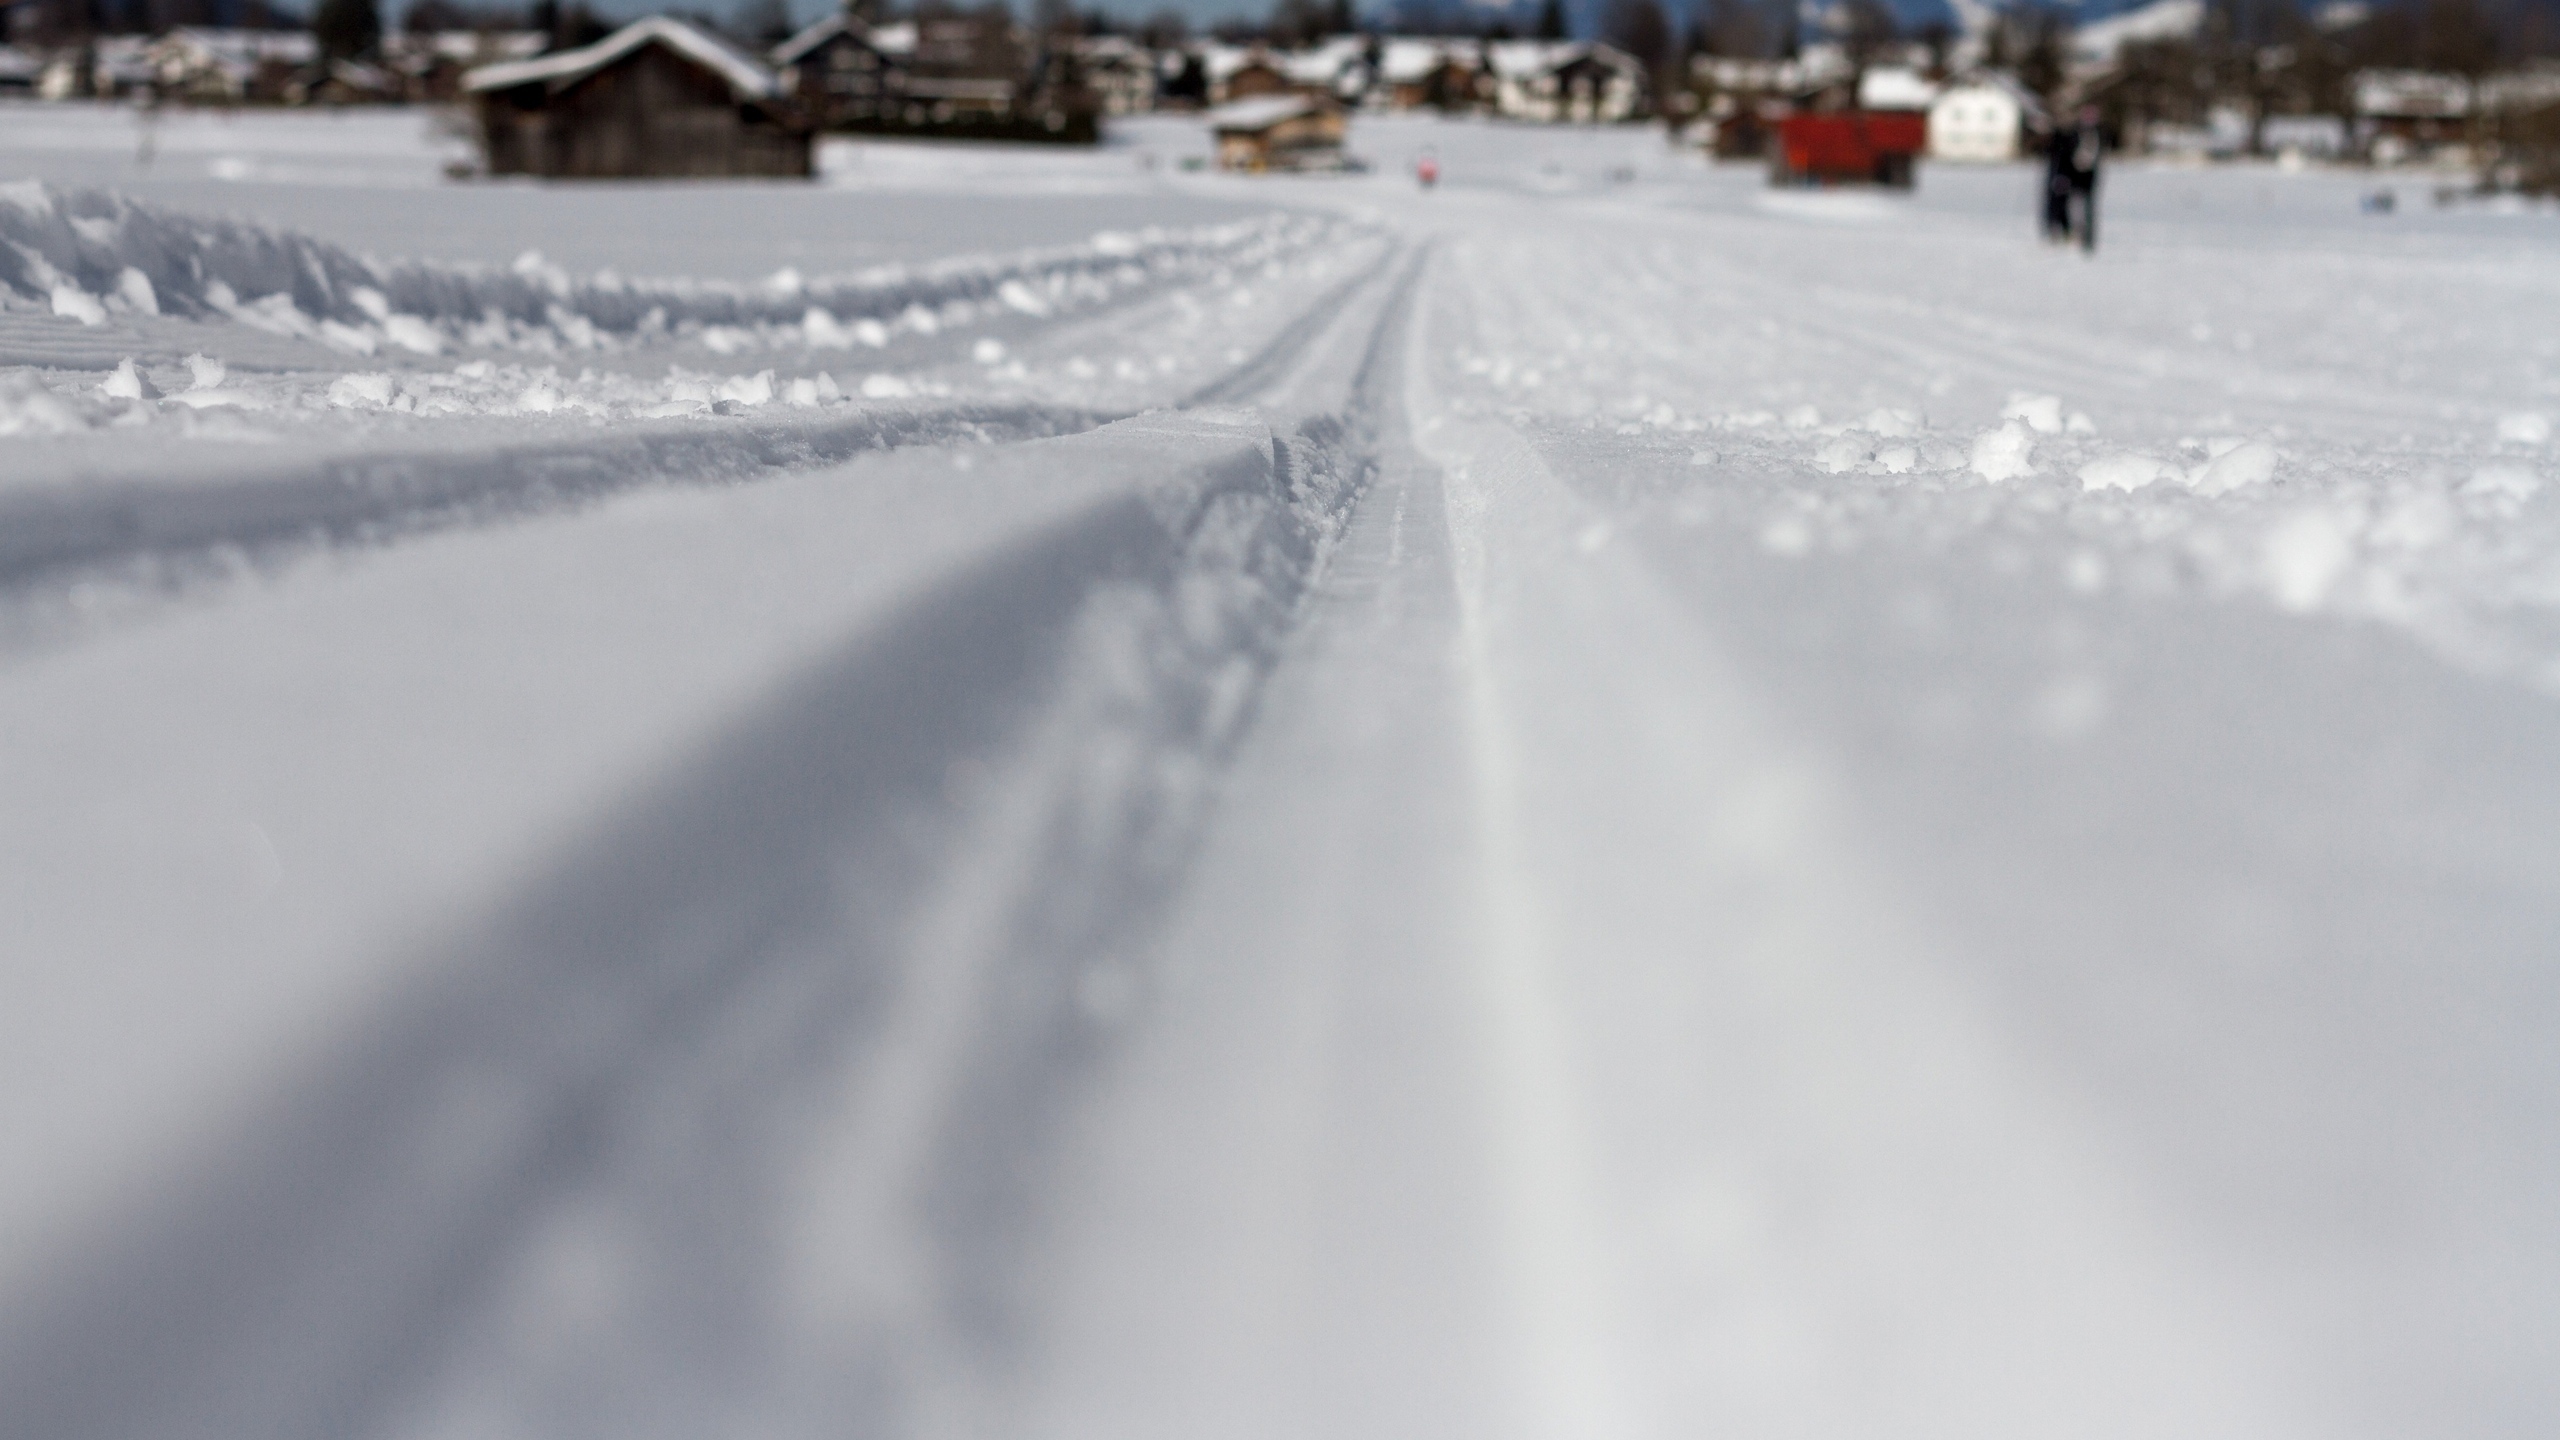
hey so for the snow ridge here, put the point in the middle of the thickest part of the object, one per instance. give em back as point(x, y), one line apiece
point(91, 253)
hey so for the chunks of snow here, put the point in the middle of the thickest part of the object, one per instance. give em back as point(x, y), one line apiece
point(205, 371)
point(2040, 413)
point(2125, 471)
point(2250, 462)
point(989, 351)
point(2526, 428)
point(73, 303)
point(1841, 453)
point(134, 289)
point(28, 408)
point(2511, 484)
point(756, 389)
point(412, 333)
point(2004, 454)
point(127, 382)
point(807, 391)
point(823, 331)
point(885, 387)
point(1019, 296)
point(351, 391)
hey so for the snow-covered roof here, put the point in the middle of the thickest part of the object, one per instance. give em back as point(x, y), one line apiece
point(2411, 92)
point(1262, 112)
point(1895, 87)
point(1323, 62)
point(235, 51)
point(1109, 49)
point(1407, 61)
point(810, 37)
point(1220, 61)
point(1525, 59)
point(1978, 83)
point(2098, 41)
point(898, 39)
point(747, 77)
point(1728, 72)
point(2530, 88)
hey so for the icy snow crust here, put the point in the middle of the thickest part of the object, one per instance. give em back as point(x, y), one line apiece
point(1599, 802)
point(89, 254)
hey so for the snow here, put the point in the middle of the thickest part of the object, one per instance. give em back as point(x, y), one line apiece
point(747, 77)
point(1032, 793)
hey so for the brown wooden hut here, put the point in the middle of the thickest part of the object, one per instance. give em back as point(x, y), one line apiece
point(656, 98)
point(1279, 132)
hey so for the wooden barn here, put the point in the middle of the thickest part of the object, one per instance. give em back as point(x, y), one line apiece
point(657, 98)
point(1279, 132)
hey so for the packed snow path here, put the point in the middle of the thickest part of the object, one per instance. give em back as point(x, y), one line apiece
point(1610, 817)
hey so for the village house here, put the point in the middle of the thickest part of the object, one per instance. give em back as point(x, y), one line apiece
point(430, 67)
point(963, 76)
point(1279, 132)
point(2404, 115)
point(1743, 99)
point(203, 66)
point(1436, 74)
point(1984, 118)
point(1337, 67)
point(343, 82)
point(658, 97)
point(845, 73)
point(1121, 74)
point(1566, 80)
point(1245, 73)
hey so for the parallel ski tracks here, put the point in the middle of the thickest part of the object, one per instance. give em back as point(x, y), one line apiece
point(732, 947)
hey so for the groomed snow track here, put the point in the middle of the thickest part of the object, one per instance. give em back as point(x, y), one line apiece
point(899, 873)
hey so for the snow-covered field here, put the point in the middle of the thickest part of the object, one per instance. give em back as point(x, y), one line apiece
point(1042, 794)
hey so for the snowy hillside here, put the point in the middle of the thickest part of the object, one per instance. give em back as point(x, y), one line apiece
point(1045, 795)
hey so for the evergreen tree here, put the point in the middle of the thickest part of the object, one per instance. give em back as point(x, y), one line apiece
point(347, 29)
point(1551, 25)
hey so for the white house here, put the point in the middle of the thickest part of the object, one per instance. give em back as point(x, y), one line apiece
point(1984, 119)
point(1565, 80)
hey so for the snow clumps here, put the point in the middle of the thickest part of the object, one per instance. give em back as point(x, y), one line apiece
point(127, 382)
point(28, 408)
point(2230, 463)
point(2007, 453)
point(2524, 429)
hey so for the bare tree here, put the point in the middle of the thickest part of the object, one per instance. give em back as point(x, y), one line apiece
point(1164, 29)
point(1866, 31)
point(1733, 27)
point(1641, 29)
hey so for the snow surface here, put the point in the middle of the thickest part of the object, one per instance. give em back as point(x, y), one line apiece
point(1117, 801)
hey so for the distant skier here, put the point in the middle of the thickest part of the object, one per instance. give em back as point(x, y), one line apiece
point(1427, 169)
point(2071, 181)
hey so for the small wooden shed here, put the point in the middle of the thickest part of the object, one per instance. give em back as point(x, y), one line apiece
point(1279, 132)
point(656, 98)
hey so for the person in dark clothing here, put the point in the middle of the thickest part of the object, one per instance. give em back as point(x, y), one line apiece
point(2059, 148)
point(2071, 181)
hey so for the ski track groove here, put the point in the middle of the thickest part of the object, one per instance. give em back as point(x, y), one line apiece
point(337, 1249)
